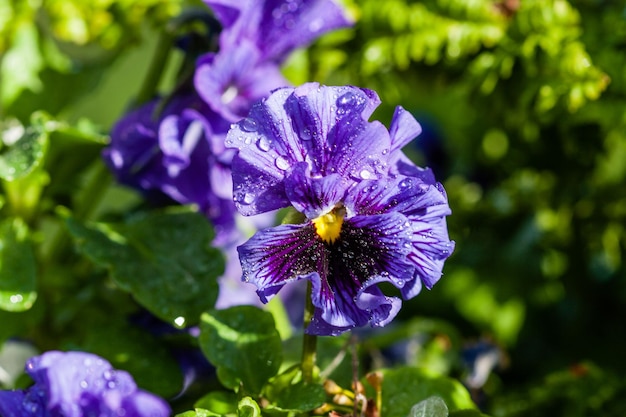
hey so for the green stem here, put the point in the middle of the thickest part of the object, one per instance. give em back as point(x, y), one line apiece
point(309, 342)
point(155, 70)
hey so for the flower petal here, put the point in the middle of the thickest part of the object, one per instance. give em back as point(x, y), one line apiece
point(78, 383)
point(425, 206)
point(233, 79)
point(275, 256)
point(403, 129)
point(372, 249)
point(276, 27)
point(322, 126)
point(313, 196)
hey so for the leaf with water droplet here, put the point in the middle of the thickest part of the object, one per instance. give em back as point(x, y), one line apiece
point(21, 157)
point(164, 259)
point(18, 276)
point(430, 407)
point(244, 345)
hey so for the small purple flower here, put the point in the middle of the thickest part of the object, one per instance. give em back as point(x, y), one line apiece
point(369, 215)
point(78, 384)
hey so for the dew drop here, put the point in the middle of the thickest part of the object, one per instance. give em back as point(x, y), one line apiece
point(365, 174)
point(281, 163)
point(16, 298)
point(305, 134)
point(249, 125)
point(406, 183)
point(263, 143)
point(248, 198)
point(346, 100)
point(84, 384)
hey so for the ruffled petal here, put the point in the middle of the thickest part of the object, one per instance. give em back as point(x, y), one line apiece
point(403, 129)
point(275, 256)
point(233, 79)
point(322, 126)
point(313, 196)
point(425, 207)
point(17, 404)
point(372, 249)
point(287, 25)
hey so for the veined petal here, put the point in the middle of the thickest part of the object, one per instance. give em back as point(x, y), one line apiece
point(322, 126)
point(276, 27)
point(382, 308)
point(372, 249)
point(403, 129)
point(275, 256)
point(313, 196)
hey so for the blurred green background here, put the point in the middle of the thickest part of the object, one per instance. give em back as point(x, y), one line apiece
point(523, 105)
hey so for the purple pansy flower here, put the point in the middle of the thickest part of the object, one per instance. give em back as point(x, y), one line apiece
point(77, 384)
point(369, 215)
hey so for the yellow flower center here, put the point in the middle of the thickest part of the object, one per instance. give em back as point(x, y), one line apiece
point(328, 226)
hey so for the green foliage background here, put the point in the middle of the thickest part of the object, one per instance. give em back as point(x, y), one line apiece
point(523, 107)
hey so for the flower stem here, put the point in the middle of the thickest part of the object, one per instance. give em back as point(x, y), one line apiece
point(309, 342)
point(155, 70)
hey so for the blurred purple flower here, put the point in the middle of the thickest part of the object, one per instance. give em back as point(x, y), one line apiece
point(276, 27)
point(78, 384)
point(257, 36)
point(178, 152)
point(369, 215)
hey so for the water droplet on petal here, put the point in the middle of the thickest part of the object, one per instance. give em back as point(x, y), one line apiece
point(346, 100)
point(405, 183)
point(365, 174)
point(248, 198)
point(263, 143)
point(316, 25)
point(249, 125)
point(305, 134)
point(281, 163)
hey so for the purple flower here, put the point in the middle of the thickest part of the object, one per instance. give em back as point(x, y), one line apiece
point(258, 36)
point(77, 384)
point(231, 80)
point(179, 152)
point(276, 27)
point(369, 215)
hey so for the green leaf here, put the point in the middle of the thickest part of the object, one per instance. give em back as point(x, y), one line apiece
point(467, 413)
point(248, 408)
point(430, 407)
point(18, 275)
point(403, 387)
point(244, 345)
point(220, 402)
point(300, 397)
point(164, 259)
point(198, 412)
point(136, 351)
point(20, 66)
point(22, 156)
